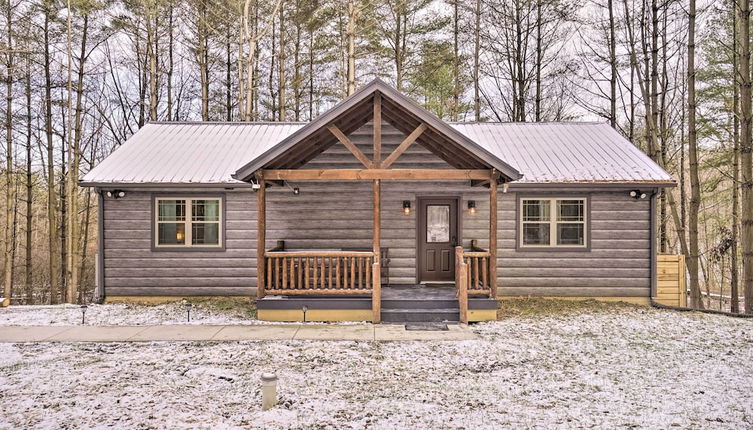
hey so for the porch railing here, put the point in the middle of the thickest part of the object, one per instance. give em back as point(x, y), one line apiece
point(319, 272)
point(472, 276)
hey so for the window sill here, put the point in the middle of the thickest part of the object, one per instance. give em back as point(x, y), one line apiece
point(188, 248)
point(553, 248)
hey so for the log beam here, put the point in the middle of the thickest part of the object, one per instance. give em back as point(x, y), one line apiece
point(403, 146)
point(384, 174)
point(376, 296)
point(351, 146)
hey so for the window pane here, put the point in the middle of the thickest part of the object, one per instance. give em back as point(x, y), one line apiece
point(206, 210)
point(171, 233)
point(570, 210)
point(536, 234)
point(535, 210)
point(172, 210)
point(437, 223)
point(570, 234)
point(205, 233)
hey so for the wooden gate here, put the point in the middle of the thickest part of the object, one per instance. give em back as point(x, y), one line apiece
point(671, 289)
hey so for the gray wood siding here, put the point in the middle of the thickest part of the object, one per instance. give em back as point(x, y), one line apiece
point(132, 268)
point(334, 215)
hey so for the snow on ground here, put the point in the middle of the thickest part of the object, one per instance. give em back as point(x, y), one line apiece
point(121, 314)
point(619, 368)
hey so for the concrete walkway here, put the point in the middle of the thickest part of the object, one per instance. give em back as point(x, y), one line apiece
point(203, 333)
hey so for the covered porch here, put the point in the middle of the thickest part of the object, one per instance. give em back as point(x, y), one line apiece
point(349, 284)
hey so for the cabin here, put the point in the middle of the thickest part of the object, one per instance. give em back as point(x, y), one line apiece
point(377, 210)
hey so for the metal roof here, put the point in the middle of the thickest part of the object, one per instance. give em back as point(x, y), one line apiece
point(566, 152)
point(209, 153)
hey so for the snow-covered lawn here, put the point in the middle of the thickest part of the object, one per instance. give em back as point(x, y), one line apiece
point(621, 367)
point(206, 312)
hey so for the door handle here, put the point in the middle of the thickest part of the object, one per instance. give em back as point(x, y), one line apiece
point(454, 241)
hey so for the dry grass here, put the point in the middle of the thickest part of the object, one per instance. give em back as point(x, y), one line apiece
point(531, 306)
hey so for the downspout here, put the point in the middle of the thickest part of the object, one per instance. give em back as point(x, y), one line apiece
point(652, 246)
point(100, 289)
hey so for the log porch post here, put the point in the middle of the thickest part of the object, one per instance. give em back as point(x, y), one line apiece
point(261, 235)
point(376, 296)
point(493, 233)
point(376, 292)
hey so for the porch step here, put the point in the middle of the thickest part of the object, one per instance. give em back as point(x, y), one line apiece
point(420, 315)
point(420, 303)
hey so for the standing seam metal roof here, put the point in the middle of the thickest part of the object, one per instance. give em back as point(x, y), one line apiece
point(209, 152)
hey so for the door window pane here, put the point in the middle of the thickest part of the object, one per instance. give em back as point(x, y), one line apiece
point(172, 233)
point(570, 210)
point(570, 234)
point(206, 210)
point(535, 210)
point(437, 223)
point(536, 234)
point(172, 210)
point(204, 233)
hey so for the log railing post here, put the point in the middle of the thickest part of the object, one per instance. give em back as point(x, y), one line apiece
point(461, 281)
point(376, 293)
point(261, 232)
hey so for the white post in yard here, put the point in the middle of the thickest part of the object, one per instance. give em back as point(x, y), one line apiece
point(268, 391)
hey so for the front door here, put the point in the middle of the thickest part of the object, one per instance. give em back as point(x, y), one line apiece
point(437, 237)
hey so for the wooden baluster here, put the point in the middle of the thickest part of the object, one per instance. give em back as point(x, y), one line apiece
point(284, 272)
point(292, 273)
point(337, 272)
point(369, 263)
point(299, 269)
point(269, 273)
point(315, 280)
point(345, 272)
point(306, 272)
point(323, 274)
point(329, 273)
point(475, 273)
point(352, 272)
point(484, 269)
point(360, 273)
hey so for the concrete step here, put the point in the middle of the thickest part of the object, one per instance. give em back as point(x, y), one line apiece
point(419, 303)
point(420, 315)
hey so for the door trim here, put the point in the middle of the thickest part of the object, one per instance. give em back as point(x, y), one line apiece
point(458, 223)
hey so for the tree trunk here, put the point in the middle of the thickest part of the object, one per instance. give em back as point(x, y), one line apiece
point(74, 159)
point(612, 67)
point(29, 192)
point(734, 279)
point(695, 185)
point(170, 63)
point(150, 14)
point(52, 226)
point(746, 149)
point(9, 182)
point(350, 33)
point(477, 62)
point(281, 72)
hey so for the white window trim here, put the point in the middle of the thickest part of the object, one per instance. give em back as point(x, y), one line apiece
point(553, 222)
point(188, 222)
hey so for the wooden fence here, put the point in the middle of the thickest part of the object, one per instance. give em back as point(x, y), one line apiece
point(670, 286)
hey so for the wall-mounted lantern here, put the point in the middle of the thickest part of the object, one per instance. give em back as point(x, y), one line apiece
point(116, 194)
point(406, 207)
point(472, 207)
point(637, 194)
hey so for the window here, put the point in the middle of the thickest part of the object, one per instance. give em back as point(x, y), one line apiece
point(188, 222)
point(553, 223)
